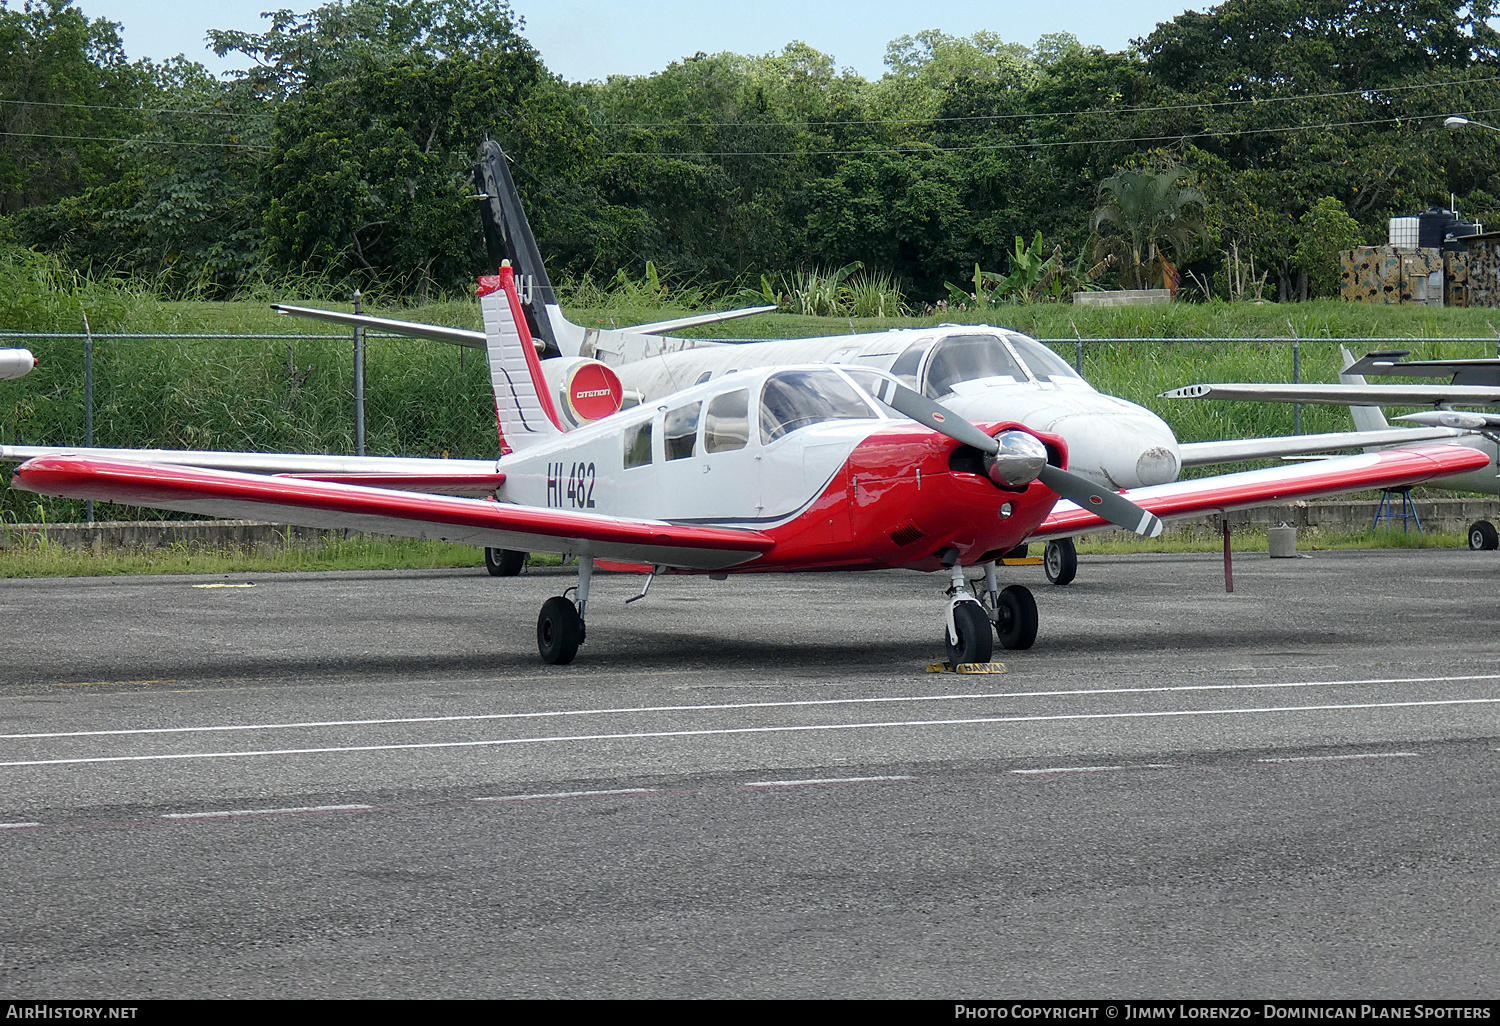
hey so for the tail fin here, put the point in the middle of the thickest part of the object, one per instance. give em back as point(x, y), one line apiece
point(1366, 418)
point(524, 413)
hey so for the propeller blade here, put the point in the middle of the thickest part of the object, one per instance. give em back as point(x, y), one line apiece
point(1112, 506)
point(930, 414)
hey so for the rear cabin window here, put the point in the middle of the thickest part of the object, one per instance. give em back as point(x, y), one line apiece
point(795, 399)
point(968, 358)
point(727, 424)
point(679, 434)
point(638, 446)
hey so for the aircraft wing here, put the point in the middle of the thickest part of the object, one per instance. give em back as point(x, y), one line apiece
point(1387, 468)
point(1234, 450)
point(694, 320)
point(446, 477)
point(1343, 395)
point(308, 503)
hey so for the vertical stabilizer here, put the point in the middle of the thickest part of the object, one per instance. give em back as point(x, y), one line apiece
point(524, 413)
point(1366, 418)
point(507, 236)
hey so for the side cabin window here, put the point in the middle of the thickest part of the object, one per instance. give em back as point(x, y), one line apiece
point(792, 400)
point(679, 433)
point(638, 445)
point(968, 358)
point(726, 426)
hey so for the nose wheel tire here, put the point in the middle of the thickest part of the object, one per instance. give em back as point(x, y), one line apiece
point(559, 631)
point(1060, 561)
point(1482, 535)
point(504, 562)
point(975, 642)
point(1015, 618)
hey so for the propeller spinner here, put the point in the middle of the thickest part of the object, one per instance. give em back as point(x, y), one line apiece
point(1013, 458)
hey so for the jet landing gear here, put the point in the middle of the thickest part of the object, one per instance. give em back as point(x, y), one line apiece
point(1483, 536)
point(1060, 561)
point(504, 562)
point(560, 628)
point(972, 629)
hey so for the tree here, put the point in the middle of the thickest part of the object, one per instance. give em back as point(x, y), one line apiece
point(1146, 216)
point(1324, 231)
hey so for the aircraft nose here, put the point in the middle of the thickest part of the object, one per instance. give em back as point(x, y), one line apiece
point(1119, 444)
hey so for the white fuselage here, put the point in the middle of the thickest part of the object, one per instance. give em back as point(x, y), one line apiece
point(984, 374)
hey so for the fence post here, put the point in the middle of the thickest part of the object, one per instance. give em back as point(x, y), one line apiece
point(359, 380)
point(88, 400)
point(1296, 376)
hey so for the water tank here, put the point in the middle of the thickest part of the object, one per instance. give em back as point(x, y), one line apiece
point(1404, 231)
point(1436, 224)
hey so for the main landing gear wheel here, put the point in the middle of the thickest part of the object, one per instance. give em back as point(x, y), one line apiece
point(1015, 618)
point(504, 562)
point(559, 631)
point(1482, 535)
point(975, 642)
point(1060, 560)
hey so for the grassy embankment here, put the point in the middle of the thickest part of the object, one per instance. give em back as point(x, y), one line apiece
point(430, 399)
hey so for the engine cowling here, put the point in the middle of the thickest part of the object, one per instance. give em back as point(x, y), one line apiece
point(15, 363)
point(583, 390)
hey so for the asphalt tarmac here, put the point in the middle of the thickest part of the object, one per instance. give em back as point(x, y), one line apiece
point(367, 785)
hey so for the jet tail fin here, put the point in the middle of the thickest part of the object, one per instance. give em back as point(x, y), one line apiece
point(524, 413)
point(1366, 418)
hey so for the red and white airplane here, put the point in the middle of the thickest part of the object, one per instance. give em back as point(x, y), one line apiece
point(773, 469)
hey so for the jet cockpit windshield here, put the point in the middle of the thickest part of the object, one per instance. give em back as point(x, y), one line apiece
point(1044, 364)
point(968, 358)
point(794, 399)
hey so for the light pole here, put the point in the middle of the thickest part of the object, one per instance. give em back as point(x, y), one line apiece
point(1454, 123)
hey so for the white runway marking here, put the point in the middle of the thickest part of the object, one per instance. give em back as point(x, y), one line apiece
point(264, 812)
point(1342, 758)
point(17, 826)
point(801, 703)
point(724, 731)
point(819, 780)
point(1066, 769)
point(567, 794)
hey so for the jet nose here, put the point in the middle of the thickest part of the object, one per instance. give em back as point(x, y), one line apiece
point(1118, 443)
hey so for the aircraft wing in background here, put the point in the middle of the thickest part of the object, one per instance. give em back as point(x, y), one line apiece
point(1235, 450)
point(444, 477)
point(1342, 395)
point(1387, 468)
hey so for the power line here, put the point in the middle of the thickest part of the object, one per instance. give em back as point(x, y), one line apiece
point(1199, 105)
point(137, 141)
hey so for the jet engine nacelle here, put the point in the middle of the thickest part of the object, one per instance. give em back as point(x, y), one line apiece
point(583, 390)
point(15, 363)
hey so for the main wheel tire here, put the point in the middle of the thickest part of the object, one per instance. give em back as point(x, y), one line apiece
point(1015, 618)
point(504, 562)
point(559, 631)
point(1060, 560)
point(975, 642)
point(1482, 535)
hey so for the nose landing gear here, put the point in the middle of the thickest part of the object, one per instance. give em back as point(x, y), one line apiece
point(973, 629)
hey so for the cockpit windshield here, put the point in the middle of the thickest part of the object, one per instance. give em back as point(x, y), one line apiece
point(968, 358)
point(1043, 363)
point(795, 399)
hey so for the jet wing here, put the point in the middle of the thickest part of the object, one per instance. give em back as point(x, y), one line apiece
point(446, 477)
point(326, 504)
point(1388, 468)
point(695, 320)
point(1234, 450)
point(1343, 395)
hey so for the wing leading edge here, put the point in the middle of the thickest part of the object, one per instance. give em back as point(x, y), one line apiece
point(310, 503)
point(1388, 468)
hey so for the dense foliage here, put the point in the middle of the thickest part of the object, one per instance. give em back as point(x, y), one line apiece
point(1264, 133)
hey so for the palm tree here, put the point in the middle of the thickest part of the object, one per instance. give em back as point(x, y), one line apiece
point(1143, 216)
